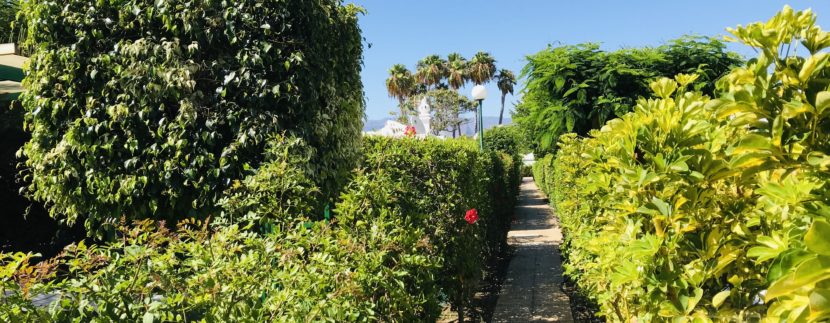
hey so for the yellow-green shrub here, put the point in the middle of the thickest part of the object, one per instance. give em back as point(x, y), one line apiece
point(693, 208)
point(542, 171)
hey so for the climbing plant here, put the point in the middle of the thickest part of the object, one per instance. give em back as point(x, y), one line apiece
point(152, 109)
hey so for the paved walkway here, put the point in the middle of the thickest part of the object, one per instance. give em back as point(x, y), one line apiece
point(532, 291)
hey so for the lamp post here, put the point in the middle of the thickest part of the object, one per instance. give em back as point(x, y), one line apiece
point(479, 94)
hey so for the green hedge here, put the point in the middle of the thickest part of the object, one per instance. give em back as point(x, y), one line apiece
point(397, 248)
point(440, 180)
point(699, 209)
point(147, 109)
point(506, 139)
point(542, 171)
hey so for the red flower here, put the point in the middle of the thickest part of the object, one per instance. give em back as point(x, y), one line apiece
point(410, 131)
point(472, 216)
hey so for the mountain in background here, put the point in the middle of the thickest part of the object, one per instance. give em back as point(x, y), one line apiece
point(467, 129)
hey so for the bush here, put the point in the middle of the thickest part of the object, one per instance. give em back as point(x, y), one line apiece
point(703, 209)
point(397, 247)
point(504, 138)
point(278, 192)
point(297, 273)
point(526, 171)
point(153, 109)
point(542, 170)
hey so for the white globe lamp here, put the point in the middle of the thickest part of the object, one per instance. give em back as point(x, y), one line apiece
point(479, 94)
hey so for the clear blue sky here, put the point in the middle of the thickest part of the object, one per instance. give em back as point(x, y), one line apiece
point(406, 31)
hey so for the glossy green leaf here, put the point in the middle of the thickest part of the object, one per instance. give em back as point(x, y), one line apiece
point(720, 297)
point(823, 102)
point(818, 237)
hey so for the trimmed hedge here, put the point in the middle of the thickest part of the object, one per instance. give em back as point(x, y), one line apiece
point(542, 173)
point(147, 109)
point(506, 139)
point(441, 179)
point(397, 248)
point(699, 209)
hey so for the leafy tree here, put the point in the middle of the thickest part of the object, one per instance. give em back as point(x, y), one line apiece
point(577, 88)
point(12, 26)
point(447, 107)
point(144, 109)
point(506, 81)
point(482, 68)
point(8, 10)
point(400, 85)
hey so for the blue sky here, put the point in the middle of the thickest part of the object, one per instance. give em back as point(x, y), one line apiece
point(406, 31)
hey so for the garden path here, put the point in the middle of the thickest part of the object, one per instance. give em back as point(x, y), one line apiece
point(532, 291)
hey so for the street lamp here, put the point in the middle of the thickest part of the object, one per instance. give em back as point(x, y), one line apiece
point(479, 94)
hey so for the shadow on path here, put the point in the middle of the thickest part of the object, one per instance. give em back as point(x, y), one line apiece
point(532, 291)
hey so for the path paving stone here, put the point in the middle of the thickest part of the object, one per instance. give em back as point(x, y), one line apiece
point(532, 291)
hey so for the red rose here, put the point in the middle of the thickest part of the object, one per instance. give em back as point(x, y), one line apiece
point(410, 131)
point(472, 216)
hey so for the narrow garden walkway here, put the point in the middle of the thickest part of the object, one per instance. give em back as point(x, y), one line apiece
point(532, 291)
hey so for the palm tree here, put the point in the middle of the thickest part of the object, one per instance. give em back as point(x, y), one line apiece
point(482, 68)
point(457, 71)
point(400, 85)
point(505, 81)
point(431, 70)
point(457, 76)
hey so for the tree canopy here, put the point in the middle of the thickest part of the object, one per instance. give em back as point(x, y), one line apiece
point(576, 88)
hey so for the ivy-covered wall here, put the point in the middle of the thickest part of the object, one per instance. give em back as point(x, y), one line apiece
point(148, 109)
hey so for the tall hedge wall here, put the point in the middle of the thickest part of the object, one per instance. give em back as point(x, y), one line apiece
point(704, 209)
point(148, 109)
point(439, 181)
point(398, 247)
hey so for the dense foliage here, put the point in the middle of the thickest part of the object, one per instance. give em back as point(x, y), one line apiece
point(397, 247)
point(447, 107)
point(8, 12)
point(578, 88)
point(469, 179)
point(508, 139)
point(153, 109)
point(543, 171)
point(691, 208)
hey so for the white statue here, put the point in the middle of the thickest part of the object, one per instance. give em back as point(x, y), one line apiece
point(424, 115)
